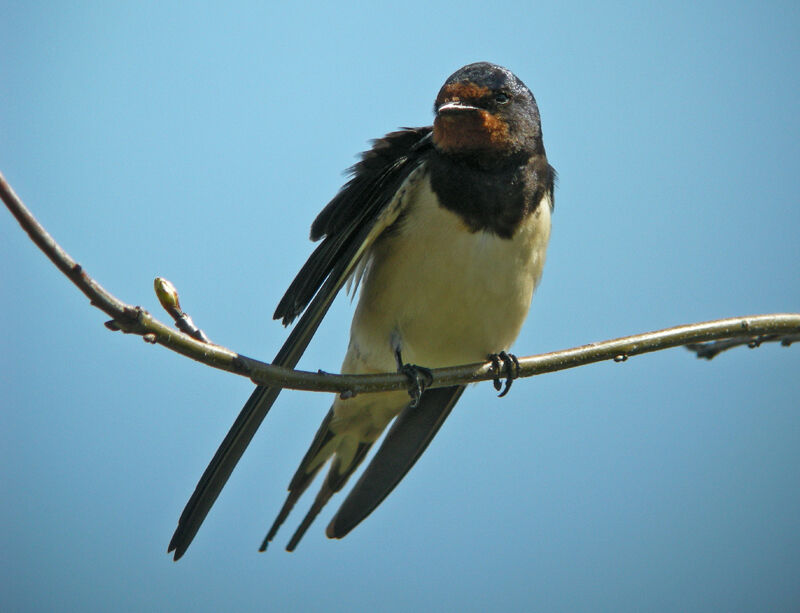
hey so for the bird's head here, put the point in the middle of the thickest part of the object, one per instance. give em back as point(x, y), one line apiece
point(484, 110)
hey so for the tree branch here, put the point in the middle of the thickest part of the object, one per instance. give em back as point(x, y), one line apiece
point(710, 350)
point(751, 330)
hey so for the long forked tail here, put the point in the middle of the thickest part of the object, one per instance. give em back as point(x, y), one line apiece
point(407, 439)
point(221, 467)
point(302, 477)
point(244, 428)
point(337, 477)
point(261, 400)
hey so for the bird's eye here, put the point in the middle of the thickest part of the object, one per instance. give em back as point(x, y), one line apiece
point(502, 98)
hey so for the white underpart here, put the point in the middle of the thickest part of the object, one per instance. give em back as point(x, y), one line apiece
point(444, 294)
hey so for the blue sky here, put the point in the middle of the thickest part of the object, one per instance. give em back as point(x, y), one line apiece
point(197, 142)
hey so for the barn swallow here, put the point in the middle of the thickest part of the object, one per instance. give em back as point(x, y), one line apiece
point(445, 230)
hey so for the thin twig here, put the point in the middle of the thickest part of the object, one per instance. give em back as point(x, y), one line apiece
point(710, 350)
point(135, 320)
point(168, 297)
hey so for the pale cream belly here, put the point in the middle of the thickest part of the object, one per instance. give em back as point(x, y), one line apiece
point(445, 294)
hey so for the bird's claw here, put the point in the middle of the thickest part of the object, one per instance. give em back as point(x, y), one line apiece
point(509, 369)
point(419, 379)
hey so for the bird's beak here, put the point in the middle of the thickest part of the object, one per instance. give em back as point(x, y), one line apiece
point(456, 107)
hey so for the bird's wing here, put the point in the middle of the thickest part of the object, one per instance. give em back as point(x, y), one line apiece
point(408, 437)
point(362, 210)
point(362, 207)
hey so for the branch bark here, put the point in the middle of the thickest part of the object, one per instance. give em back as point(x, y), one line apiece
point(752, 330)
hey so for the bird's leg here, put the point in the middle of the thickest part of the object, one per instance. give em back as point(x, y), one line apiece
point(418, 377)
point(510, 368)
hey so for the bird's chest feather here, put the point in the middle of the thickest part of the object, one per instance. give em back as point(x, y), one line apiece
point(447, 293)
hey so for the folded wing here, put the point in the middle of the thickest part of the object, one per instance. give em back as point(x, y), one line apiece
point(350, 224)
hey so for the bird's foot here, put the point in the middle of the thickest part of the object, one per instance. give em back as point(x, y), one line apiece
point(419, 378)
point(509, 369)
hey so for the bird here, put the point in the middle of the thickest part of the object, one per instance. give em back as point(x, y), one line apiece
point(443, 232)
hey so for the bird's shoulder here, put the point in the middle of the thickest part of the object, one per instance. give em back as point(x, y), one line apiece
point(354, 218)
point(377, 171)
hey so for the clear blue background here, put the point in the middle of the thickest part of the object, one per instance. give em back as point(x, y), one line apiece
point(198, 143)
